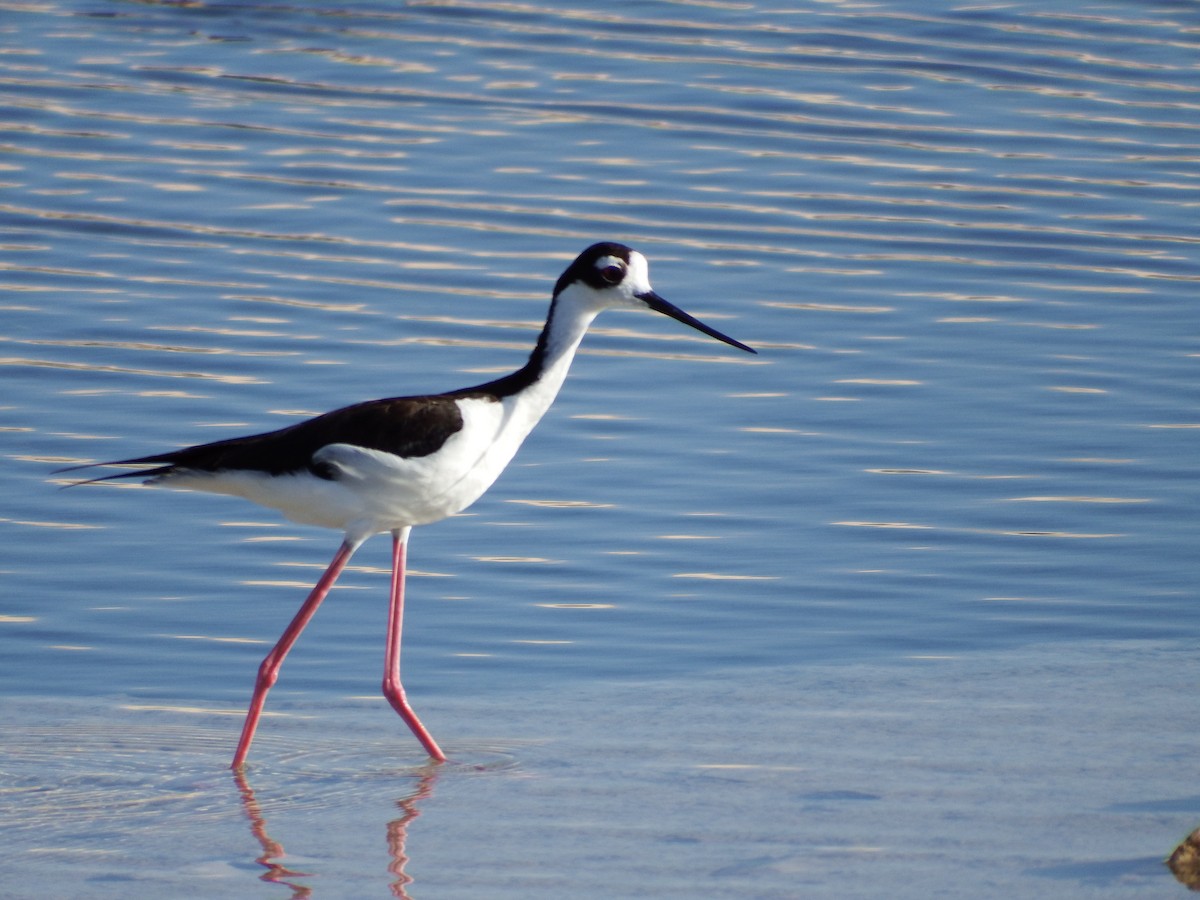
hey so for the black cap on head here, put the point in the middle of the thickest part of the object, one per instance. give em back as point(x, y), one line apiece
point(584, 267)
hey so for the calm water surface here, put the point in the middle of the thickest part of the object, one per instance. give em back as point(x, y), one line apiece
point(913, 591)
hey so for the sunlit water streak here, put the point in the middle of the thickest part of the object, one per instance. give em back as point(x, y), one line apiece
point(963, 240)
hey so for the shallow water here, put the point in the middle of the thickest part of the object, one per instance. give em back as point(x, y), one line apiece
point(914, 587)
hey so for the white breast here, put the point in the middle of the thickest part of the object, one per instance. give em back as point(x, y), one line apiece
point(374, 491)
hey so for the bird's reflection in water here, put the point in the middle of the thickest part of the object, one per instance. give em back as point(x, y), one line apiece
point(273, 854)
point(397, 830)
point(272, 851)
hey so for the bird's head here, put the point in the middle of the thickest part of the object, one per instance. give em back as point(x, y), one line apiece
point(612, 276)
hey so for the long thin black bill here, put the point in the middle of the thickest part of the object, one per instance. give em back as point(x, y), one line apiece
point(658, 304)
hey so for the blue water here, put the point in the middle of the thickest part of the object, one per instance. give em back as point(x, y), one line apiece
point(913, 588)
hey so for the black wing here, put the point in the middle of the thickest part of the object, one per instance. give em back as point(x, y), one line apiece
point(405, 426)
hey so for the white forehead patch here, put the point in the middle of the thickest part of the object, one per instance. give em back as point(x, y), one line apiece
point(639, 273)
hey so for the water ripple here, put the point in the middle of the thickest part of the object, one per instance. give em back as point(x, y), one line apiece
point(963, 240)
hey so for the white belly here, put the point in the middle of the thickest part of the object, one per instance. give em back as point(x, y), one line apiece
point(374, 491)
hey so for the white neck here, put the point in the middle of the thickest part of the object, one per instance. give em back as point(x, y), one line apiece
point(570, 316)
point(523, 396)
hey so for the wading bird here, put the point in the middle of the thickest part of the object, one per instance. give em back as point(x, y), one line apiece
point(388, 465)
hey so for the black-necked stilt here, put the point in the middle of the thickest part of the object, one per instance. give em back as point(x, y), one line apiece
point(387, 465)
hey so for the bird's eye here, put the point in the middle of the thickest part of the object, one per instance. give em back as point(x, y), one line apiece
point(612, 274)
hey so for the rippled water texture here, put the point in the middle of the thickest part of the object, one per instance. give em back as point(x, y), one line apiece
point(903, 606)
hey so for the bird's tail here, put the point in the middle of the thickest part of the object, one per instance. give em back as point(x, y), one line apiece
point(158, 467)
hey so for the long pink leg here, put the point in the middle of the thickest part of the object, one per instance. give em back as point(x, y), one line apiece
point(392, 688)
point(268, 672)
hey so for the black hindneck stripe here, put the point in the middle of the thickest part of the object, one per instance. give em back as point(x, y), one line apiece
point(523, 377)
